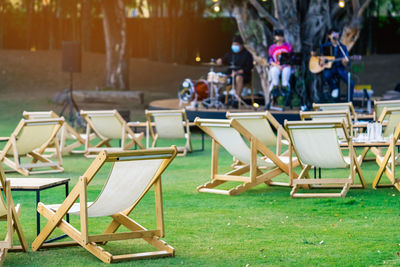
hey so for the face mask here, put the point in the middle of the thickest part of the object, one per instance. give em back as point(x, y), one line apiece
point(235, 48)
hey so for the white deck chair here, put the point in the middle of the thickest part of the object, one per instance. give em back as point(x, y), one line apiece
point(224, 134)
point(337, 106)
point(11, 214)
point(380, 105)
point(317, 144)
point(109, 125)
point(390, 117)
point(169, 124)
point(30, 139)
point(264, 127)
point(67, 133)
point(387, 163)
point(331, 116)
point(133, 174)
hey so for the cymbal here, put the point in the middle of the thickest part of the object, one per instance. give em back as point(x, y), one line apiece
point(213, 64)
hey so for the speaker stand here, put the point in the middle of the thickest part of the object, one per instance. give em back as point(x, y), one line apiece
point(70, 103)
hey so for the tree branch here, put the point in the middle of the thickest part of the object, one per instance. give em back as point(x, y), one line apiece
point(363, 7)
point(264, 13)
point(277, 15)
point(356, 5)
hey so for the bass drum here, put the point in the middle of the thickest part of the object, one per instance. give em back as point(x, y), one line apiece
point(186, 92)
point(202, 90)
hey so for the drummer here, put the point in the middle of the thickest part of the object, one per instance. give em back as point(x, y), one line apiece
point(241, 63)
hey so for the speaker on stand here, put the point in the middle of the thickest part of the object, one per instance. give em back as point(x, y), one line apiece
point(71, 63)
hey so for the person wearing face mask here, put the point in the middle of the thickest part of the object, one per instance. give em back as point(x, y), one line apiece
point(338, 70)
point(279, 54)
point(242, 59)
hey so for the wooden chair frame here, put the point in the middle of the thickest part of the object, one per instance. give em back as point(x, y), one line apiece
point(305, 115)
point(256, 176)
point(154, 136)
point(66, 129)
point(337, 106)
point(378, 151)
point(36, 155)
point(384, 104)
point(281, 134)
point(324, 183)
point(386, 112)
point(13, 223)
point(92, 242)
point(388, 167)
point(91, 151)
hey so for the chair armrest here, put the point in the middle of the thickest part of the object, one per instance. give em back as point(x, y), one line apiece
point(136, 124)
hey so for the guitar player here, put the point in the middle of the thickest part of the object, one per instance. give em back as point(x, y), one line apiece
point(338, 70)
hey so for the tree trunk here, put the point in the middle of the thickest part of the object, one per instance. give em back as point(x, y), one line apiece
point(315, 24)
point(29, 23)
point(351, 31)
point(289, 19)
point(117, 58)
point(86, 24)
point(256, 42)
point(305, 24)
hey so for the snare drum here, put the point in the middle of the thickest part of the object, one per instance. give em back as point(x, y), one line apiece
point(222, 78)
point(217, 77)
point(211, 76)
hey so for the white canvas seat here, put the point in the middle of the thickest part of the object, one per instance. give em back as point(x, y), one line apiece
point(10, 213)
point(331, 116)
point(317, 144)
point(231, 135)
point(108, 125)
point(264, 127)
point(132, 175)
point(387, 163)
point(29, 140)
point(169, 124)
point(380, 105)
point(337, 106)
point(390, 117)
point(67, 133)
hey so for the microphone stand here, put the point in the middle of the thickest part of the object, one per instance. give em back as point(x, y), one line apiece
point(348, 73)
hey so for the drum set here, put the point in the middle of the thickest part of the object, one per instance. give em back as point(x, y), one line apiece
point(209, 92)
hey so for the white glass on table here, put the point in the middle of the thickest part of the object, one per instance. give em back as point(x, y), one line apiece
point(378, 131)
point(370, 131)
point(361, 138)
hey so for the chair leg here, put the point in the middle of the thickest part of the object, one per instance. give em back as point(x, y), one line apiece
point(295, 188)
point(15, 167)
point(3, 253)
point(345, 190)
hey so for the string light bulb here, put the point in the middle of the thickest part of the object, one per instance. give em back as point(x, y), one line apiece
point(341, 3)
point(197, 58)
point(216, 8)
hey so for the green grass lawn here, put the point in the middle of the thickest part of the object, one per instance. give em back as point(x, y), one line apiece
point(261, 227)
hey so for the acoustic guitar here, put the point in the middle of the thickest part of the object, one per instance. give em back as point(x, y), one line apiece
point(318, 64)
